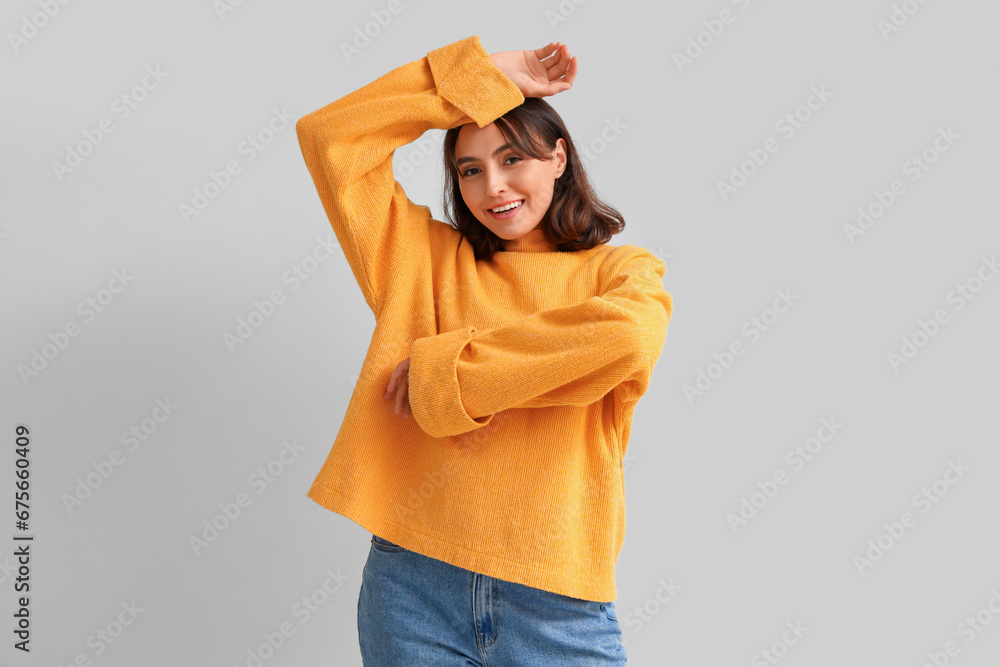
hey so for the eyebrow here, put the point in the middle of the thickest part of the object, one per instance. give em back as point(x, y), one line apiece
point(463, 160)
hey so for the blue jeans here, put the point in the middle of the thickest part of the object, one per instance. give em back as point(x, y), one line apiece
point(416, 610)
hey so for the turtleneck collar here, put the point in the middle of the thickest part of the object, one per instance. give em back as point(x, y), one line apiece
point(533, 241)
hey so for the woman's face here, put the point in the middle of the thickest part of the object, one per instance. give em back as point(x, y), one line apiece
point(489, 177)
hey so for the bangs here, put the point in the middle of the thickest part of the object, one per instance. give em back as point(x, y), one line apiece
point(522, 140)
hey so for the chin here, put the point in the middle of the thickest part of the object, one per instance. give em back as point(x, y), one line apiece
point(509, 235)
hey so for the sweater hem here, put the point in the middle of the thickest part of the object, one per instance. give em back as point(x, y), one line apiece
point(455, 554)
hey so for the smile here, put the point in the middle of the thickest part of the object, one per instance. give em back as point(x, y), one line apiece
point(507, 210)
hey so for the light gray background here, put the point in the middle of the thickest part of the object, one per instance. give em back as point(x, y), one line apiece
point(690, 462)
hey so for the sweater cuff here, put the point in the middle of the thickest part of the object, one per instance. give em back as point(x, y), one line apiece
point(467, 77)
point(434, 395)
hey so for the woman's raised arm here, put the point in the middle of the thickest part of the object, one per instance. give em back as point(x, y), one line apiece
point(348, 147)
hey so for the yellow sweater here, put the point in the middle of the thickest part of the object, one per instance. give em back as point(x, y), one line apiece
point(524, 369)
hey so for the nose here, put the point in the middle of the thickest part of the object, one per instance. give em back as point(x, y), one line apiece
point(495, 183)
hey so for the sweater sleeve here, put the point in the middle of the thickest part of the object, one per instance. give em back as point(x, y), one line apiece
point(348, 147)
point(568, 356)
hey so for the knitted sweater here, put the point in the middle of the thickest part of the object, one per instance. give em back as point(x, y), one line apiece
point(525, 368)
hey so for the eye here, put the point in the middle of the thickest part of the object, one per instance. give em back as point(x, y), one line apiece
point(468, 172)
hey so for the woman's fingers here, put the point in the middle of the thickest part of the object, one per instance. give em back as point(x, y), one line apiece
point(558, 54)
point(565, 74)
point(391, 385)
point(399, 382)
point(571, 72)
point(401, 396)
point(560, 69)
point(556, 65)
point(546, 50)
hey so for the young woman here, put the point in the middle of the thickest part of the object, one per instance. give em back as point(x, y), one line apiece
point(517, 339)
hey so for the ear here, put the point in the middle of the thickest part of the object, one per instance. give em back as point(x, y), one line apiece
point(559, 154)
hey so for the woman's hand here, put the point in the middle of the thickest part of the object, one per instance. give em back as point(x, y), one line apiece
point(400, 382)
point(534, 76)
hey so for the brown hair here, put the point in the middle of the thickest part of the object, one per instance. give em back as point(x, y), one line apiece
point(575, 220)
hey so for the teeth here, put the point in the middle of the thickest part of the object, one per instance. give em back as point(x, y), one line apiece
point(506, 208)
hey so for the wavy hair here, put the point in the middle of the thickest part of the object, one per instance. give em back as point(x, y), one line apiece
point(576, 219)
